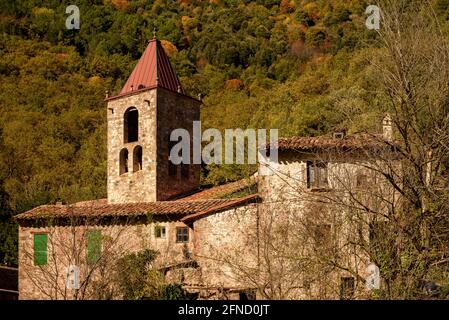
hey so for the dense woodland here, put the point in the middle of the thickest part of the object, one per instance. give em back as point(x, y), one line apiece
point(301, 66)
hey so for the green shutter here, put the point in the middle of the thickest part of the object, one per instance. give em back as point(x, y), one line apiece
point(40, 249)
point(93, 246)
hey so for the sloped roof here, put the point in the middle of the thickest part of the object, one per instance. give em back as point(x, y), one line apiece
point(330, 143)
point(152, 71)
point(204, 202)
point(222, 191)
point(165, 208)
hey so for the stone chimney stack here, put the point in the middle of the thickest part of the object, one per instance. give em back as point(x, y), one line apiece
point(387, 128)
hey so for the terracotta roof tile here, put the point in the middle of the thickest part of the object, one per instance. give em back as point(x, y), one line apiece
point(328, 143)
point(219, 192)
point(200, 202)
point(176, 208)
point(152, 71)
point(223, 206)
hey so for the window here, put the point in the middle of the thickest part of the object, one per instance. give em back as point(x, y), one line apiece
point(182, 234)
point(137, 159)
point(347, 288)
point(172, 168)
point(93, 246)
point(317, 174)
point(323, 235)
point(131, 125)
point(247, 295)
point(159, 232)
point(362, 180)
point(185, 171)
point(123, 161)
point(40, 249)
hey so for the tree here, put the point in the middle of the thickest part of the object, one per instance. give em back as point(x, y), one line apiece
point(402, 212)
point(138, 279)
point(389, 205)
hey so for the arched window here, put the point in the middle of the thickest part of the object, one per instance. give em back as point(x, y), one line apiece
point(131, 125)
point(123, 161)
point(137, 158)
point(185, 170)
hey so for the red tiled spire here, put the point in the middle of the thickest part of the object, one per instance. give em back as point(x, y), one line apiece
point(153, 70)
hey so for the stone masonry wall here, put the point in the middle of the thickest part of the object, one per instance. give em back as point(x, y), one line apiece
point(225, 243)
point(287, 198)
point(67, 246)
point(160, 112)
point(132, 186)
point(175, 111)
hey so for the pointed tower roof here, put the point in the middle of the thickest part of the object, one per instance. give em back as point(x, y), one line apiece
point(153, 70)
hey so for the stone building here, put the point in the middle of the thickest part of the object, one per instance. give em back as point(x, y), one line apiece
point(151, 202)
point(323, 191)
point(221, 242)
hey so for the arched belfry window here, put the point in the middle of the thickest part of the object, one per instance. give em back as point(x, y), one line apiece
point(123, 161)
point(137, 159)
point(131, 125)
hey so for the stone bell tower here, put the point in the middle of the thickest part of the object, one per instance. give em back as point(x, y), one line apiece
point(140, 119)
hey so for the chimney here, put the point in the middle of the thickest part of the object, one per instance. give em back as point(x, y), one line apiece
point(339, 133)
point(387, 128)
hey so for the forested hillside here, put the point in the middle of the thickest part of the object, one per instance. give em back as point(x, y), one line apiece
point(300, 66)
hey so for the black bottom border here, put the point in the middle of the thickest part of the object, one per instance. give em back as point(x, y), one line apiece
point(195, 310)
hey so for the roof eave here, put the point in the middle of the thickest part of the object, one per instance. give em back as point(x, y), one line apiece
point(253, 198)
point(126, 94)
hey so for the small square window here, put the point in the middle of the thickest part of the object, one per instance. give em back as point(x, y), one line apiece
point(159, 232)
point(182, 234)
point(317, 175)
point(347, 288)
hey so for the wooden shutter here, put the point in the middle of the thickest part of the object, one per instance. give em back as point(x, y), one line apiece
point(93, 246)
point(40, 249)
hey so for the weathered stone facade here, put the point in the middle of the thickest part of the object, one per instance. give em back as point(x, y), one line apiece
point(351, 181)
point(159, 112)
point(224, 239)
point(132, 186)
point(49, 281)
point(193, 263)
point(175, 111)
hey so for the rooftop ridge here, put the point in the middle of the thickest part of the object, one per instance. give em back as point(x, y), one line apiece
point(153, 70)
